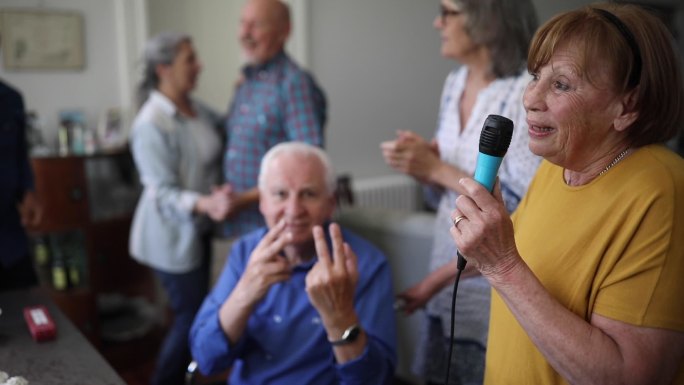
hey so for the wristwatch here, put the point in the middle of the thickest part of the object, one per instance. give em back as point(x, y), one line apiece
point(350, 335)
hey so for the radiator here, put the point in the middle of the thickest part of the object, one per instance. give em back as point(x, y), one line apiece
point(391, 192)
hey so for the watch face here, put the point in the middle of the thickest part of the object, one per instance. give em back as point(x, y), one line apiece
point(350, 335)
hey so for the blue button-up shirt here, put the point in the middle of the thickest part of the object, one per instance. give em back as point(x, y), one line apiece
point(277, 102)
point(284, 341)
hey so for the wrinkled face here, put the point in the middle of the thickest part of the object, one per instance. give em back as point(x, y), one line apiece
point(295, 191)
point(570, 119)
point(262, 33)
point(451, 23)
point(184, 70)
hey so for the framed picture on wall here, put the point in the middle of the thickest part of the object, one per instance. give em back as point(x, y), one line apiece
point(41, 40)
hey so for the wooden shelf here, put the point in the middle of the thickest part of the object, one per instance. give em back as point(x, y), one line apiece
point(72, 190)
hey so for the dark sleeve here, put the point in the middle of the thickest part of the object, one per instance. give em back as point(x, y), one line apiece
point(25, 174)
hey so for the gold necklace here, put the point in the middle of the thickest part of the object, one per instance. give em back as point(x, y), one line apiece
point(615, 161)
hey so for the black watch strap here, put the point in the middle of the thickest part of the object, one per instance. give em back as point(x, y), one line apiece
point(350, 335)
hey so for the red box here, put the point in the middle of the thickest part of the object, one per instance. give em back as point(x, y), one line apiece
point(40, 323)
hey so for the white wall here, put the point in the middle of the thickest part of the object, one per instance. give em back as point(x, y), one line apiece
point(380, 65)
point(111, 28)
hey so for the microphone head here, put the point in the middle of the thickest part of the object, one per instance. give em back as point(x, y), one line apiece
point(496, 135)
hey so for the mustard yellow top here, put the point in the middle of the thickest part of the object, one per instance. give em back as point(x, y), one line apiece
point(614, 247)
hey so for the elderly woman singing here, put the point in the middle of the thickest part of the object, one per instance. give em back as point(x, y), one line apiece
point(587, 274)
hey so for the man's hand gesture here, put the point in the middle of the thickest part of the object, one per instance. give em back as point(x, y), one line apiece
point(331, 283)
point(266, 267)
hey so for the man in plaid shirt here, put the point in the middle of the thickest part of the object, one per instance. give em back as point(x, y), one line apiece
point(275, 101)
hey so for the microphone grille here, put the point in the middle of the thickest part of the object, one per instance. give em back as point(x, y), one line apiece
point(496, 135)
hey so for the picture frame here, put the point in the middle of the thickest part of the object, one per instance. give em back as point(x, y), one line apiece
point(42, 40)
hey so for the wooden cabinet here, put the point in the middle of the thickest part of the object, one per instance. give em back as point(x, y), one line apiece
point(88, 203)
point(61, 190)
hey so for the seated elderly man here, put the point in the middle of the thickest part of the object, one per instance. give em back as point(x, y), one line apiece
point(295, 305)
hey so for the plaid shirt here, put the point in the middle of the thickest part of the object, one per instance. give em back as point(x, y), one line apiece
point(277, 102)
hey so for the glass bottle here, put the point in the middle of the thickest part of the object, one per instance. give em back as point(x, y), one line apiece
point(63, 138)
point(59, 272)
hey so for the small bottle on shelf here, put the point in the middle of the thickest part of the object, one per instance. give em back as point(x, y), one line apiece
point(74, 270)
point(41, 255)
point(63, 139)
point(60, 280)
point(90, 144)
point(77, 139)
point(41, 251)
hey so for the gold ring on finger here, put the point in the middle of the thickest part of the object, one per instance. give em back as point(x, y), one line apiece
point(458, 219)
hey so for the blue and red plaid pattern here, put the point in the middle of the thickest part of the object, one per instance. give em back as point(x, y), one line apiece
point(277, 102)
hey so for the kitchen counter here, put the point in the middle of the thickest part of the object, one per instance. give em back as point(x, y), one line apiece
point(69, 359)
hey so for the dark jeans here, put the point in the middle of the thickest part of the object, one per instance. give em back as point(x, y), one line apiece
point(21, 275)
point(186, 292)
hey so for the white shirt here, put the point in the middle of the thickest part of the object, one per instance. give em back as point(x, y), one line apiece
point(459, 146)
point(176, 164)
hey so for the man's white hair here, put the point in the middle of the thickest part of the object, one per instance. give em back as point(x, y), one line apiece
point(299, 148)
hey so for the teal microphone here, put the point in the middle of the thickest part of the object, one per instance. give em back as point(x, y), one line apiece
point(495, 138)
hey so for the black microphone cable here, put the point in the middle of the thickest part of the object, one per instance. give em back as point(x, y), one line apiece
point(460, 265)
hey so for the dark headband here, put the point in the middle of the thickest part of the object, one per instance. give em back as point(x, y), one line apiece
point(631, 41)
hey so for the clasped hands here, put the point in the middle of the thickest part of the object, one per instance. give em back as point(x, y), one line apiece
point(220, 204)
point(410, 154)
